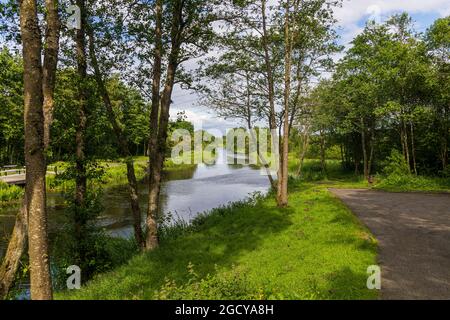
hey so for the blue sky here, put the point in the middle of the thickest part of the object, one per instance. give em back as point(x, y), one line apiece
point(351, 20)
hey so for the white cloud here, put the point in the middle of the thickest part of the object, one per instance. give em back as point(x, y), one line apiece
point(355, 11)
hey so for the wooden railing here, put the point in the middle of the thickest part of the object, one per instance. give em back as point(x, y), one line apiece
point(12, 170)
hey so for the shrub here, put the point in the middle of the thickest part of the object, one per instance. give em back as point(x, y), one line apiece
point(446, 172)
point(10, 193)
point(396, 165)
point(223, 285)
point(398, 177)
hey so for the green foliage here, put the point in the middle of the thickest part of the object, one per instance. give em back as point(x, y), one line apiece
point(409, 182)
point(393, 88)
point(446, 172)
point(223, 285)
point(397, 177)
point(104, 253)
point(10, 193)
point(11, 108)
point(82, 241)
point(396, 165)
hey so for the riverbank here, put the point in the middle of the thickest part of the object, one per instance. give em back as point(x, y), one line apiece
point(315, 249)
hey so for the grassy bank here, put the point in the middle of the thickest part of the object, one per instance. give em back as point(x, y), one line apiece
point(314, 249)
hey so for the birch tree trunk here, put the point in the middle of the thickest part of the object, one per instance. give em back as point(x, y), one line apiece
point(284, 174)
point(153, 201)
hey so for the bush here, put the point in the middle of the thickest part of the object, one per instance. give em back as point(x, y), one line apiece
point(396, 165)
point(81, 241)
point(398, 177)
point(446, 172)
point(10, 193)
point(224, 285)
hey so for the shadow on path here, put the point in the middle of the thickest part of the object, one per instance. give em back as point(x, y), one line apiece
point(413, 231)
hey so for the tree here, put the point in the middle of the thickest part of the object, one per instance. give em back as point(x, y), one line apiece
point(39, 90)
point(190, 35)
point(11, 112)
point(251, 80)
point(438, 45)
point(41, 284)
point(123, 143)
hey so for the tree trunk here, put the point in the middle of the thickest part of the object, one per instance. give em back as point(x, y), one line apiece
point(16, 247)
point(80, 219)
point(304, 151)
point(50, 63)
point(17, 243)
point(369, 166)
point(40, 279)
point(123, 144)
point(284, 170)
point(413, 148)
point(153, 201)
point(158, 154)
point(364, 150)
point(323, 162)
point(270, 84)
point(405, 143)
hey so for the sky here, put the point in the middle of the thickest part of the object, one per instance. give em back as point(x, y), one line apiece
point(351, 20)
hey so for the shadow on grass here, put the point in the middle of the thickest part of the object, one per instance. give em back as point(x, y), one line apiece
point(346, 284)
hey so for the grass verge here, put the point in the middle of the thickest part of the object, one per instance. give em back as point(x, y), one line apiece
point(315, 249)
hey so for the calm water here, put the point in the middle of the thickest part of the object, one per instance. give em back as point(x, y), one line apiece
point(184, 194)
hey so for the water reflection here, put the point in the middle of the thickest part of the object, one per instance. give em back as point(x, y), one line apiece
point(184, 194)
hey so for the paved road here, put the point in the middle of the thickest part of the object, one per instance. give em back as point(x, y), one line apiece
point(413, 231)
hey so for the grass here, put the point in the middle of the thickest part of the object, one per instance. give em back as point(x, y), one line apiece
point(315, 249)
point(412, 183)
point(338, 178)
